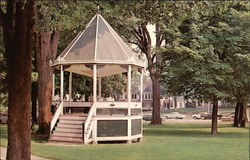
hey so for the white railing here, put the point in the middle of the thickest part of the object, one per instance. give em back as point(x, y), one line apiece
point(89, 124)
point(59, 111)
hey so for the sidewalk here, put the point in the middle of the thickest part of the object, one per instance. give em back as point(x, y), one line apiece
point(3, 152)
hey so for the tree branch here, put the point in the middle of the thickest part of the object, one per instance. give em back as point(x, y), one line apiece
point(54, 43)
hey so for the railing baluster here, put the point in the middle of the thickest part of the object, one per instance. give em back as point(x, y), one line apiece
point(56, 116)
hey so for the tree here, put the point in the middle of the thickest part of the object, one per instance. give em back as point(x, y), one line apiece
point(113, 85)
point(58, 16)
point(197, 62)
point(17, 24)
point(131, 20)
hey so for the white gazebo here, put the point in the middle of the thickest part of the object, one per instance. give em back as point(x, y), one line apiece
point(97, 52)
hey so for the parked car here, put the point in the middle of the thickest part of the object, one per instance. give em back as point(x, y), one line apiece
point(196, 116)
point(228, 117)
point(148, 117)
point(209, 116)
point(231, 115)
point(174, 115)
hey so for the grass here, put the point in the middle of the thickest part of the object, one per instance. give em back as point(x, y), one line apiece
point(168, 142)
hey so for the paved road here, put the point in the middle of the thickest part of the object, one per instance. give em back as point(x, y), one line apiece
point(187, 121)
point(4, 150)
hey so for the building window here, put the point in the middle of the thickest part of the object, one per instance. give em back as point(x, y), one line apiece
point(146, 96)
point(180, 105)
point(134, 96)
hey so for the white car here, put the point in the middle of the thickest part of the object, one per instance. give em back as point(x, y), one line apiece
point(196, 116)
point(174, 115)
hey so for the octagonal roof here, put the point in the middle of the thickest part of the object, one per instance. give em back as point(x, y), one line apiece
point(98, 44)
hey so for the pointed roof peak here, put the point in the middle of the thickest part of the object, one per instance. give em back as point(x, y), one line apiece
point(98, 44)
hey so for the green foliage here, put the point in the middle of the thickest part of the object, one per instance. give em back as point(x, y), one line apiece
point(205, 58)
point(113, 85)
point(3, 77)
point(65, 15)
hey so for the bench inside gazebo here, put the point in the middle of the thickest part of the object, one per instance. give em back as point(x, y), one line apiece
point(97, 52)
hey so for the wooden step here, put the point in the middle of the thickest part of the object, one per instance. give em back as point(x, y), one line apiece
point(77, 122)
point(66, 117)
point(63, 134)
point(69, 126)
point(65, 139)
point(69, 130)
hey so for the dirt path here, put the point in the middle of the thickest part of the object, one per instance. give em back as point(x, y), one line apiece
point(4, 150)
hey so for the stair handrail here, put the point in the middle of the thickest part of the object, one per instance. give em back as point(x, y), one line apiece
point(88, 124)
point(56, 116)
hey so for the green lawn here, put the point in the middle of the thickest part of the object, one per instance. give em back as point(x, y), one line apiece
point(166, 142)
point(198, 110)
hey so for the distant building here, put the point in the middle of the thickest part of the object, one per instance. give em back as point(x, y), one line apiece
point(167, 102)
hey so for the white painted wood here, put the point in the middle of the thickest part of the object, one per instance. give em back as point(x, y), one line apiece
point(129, 84)
point(112, 138)
point(93, 125)
point(56, 115)
point(118, 104)
point(77, 104)
point(100, 89)
point(118, 117)
point(70, 86)
point(94, 83)
point(61, 88)
point(136, 136)
point(88, 141)
point(118, 138)
point(89, 124)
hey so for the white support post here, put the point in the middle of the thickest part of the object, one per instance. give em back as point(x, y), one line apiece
point(141, 85)
point(94, 83)
point(129, 85)
point(61, 87)
point(53, 87)
point(129, 104)
point(100, 89)
point(70, 87)
point(94, 131)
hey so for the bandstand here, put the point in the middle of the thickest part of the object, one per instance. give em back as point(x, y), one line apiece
point(97, 52)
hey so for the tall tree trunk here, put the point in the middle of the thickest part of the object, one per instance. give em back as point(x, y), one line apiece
point(34, 92)
point(17, 25)
point(236, 115)
point(144, 43)
point(46, 47)
point(175, 102)
point(214, 117)
point(242, 116)
point(156, 117)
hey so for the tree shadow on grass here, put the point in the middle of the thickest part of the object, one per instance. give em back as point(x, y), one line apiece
point(39, 139)
point(191, 133)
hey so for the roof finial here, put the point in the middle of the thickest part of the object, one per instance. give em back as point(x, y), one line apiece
point(98, 9)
